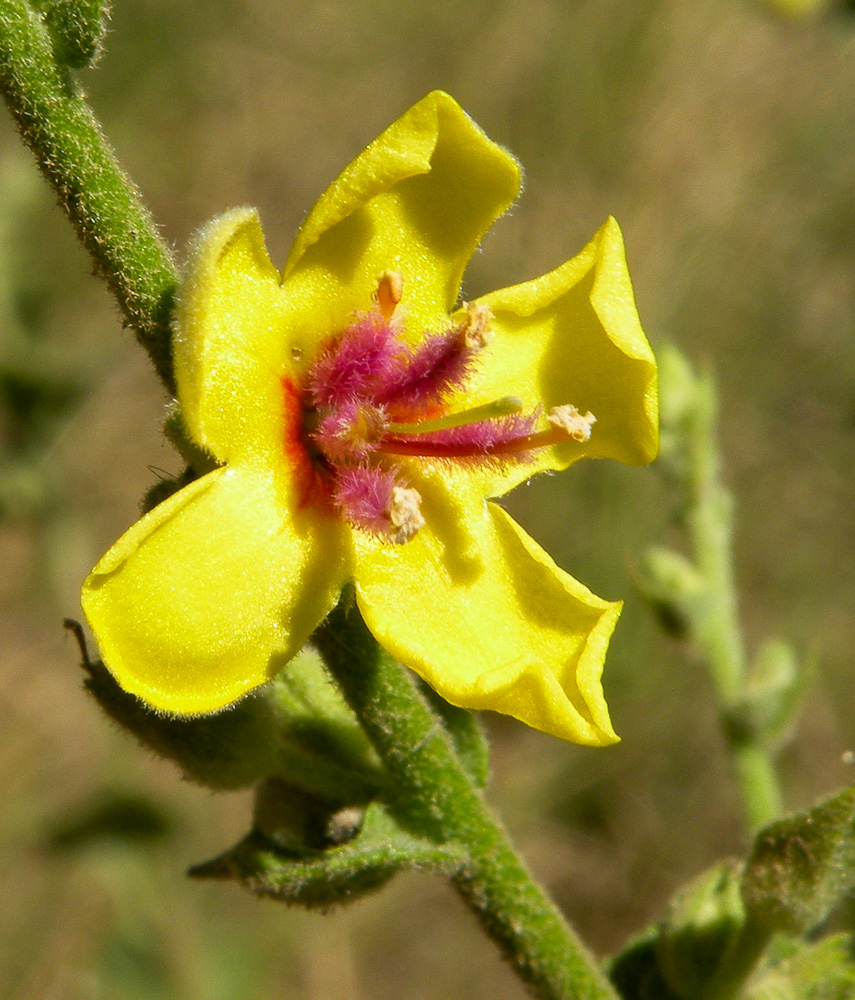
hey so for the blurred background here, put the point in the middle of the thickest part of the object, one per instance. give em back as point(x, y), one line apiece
point(722, 136)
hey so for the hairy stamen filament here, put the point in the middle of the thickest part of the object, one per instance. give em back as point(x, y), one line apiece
point(370, 398)
point(441, 449)
point(566, 424)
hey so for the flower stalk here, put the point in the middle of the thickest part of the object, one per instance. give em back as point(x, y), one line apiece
point(434, 794)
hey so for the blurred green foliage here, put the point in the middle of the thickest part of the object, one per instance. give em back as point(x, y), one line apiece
point(723, 139)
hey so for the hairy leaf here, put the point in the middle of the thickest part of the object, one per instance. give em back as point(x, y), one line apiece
point(801, 866)
point(339, 874)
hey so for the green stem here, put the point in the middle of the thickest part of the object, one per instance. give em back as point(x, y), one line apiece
point(106, 209)
point(718, 630)
point(435, 796)
point(758, 782)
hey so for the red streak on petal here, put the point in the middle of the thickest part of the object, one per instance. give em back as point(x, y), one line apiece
point(308, 477)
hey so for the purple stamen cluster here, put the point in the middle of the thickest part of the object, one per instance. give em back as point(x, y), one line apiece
point(364, 389)
point(441, 364)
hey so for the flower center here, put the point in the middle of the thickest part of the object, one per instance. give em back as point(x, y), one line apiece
point(371, 401)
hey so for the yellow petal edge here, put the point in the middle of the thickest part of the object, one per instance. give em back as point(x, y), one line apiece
point(207, 595)
point(485, 616)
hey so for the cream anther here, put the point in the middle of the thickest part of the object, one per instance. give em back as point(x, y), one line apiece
point(476, 326)
point(577, 425)
point(405, 514)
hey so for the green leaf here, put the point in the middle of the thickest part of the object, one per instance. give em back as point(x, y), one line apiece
point(801, 866)
point(823, 971)
point(339, 874)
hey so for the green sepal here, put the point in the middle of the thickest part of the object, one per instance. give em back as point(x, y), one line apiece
point(635, 971)
point(297, 728)
point(76, 29)
point(467, 735)
point(199, 462)
point(705, 947)
point(701, 928)
point(801, 867)
point(164, 488)
point(339, 874)
point(175, 431)
point(296, 821)
point(797, 970)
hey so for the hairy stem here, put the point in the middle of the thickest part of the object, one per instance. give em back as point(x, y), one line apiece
point(57, 124)
point(435, 796)
point(718, 630)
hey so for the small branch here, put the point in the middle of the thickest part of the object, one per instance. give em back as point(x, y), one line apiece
point(105, 207)
point(433, 793)
point(717, 630)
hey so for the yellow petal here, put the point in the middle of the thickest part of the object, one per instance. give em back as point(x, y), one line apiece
point(481, 612)
point(417, 200)
point(574, 336)
point(210, 593)
point(230, 343)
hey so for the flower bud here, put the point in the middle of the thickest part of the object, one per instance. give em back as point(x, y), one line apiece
point(673, 587)
point(76, 28)
point(768, 705)
point(703, 921)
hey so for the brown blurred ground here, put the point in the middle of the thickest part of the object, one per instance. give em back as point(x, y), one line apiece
point(723, 139)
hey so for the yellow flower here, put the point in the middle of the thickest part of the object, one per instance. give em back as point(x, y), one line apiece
point(360, 426)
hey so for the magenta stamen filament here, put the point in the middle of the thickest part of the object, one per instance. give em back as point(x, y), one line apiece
point(441, 449)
